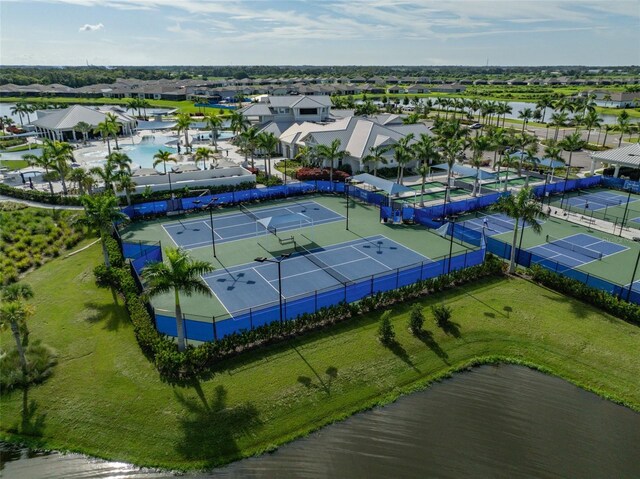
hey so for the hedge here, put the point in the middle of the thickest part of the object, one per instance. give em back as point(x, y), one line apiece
point(39, 196)
point(175, 366)
point(601, 299)
point(307, 174)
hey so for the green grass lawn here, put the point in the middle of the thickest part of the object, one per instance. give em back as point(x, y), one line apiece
point(14, 164)
point(105, 399)
point(185, 106)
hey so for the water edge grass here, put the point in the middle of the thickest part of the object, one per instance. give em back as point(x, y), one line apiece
point(105, 399)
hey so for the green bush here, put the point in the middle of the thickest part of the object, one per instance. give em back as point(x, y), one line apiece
point(416, 319)
point(607, 302)
point(386, 334)
point(40, 361)
point(442, 314)
point(39, 196)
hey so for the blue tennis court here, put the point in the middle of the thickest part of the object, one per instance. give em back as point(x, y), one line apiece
point(493, 224)
point(597, 201)
point(255, 284)
point(577, 250)
point(194, 233)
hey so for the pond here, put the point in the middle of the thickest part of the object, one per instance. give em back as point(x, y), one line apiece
point(493, 421)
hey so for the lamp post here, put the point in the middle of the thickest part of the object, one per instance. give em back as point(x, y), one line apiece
point(346, 189)
point(213, 236)
point(277, 260)
point(452, 220)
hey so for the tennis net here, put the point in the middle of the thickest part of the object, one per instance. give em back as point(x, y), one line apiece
point(573, 247)
point(495, 220)
point(248, 212)
point(321, 264)
point(604, 200)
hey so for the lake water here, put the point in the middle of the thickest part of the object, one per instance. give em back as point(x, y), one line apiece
point(494, 421)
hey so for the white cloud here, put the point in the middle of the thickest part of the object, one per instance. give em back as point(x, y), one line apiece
point(91, 28)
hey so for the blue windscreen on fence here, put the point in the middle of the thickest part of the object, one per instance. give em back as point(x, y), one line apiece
point(312, 303)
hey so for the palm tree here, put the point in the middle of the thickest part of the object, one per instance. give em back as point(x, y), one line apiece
point(503, 109)
point(249, 138)
point(119, 161)
point(84, 128)
point(134, 104)
point(114, 126)
point(553, 153)
point(307, 156)
point(105, 130)
point(77, 176)
point(107, 174)
point(451, 149)
point(202, 154)
point(571, 143)
point(525, 115)
point(163, 157)
point(423, 170)
point(523, 208)
point(607, 130)
point(14, 314)
point(403, 154)
point(592, 120)
point(508, 161)
point(544, 103)
point(623, 124)
point(499, 142)
point(101, 212)
point(144, 104)
point(124, 182)
point(524, 141)
point(180, 274)
point(479, 145)
point(43, 161)
point(331, 153)
point(268, 143)
point(62, 154)
point(558, 120)
point(182, 125)
point(214, 123)
point(19, 109)
point(239, 122)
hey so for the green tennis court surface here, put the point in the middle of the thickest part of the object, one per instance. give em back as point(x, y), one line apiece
point(331, 235)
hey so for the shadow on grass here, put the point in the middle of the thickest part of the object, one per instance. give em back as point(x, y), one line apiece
point(210, 429)
point(332, 374)
point(580, 309)
point(451, 328)
point(32, 423)
point(427, 338)
point(396, 348)
point(113, 315)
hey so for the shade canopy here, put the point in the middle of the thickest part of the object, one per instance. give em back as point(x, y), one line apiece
point(625, 156)
point(466, 171)
point(387, 186)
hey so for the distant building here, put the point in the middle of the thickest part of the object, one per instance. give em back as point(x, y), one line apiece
point(60, 124)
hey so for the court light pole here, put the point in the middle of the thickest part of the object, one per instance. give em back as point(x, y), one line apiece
point(633, 276)
point(213, 236)
point(277, 261)
point(346, 189)
point(453, 226)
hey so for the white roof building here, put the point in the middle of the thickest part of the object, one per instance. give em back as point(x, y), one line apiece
point(60, 124)
point(626, 156)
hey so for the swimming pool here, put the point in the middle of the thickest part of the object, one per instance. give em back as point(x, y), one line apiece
point(141, 154)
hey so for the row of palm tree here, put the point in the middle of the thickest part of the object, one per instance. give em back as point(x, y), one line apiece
point(139, 104)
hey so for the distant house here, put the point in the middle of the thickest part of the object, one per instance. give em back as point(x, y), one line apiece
point(395, 90)
point(287, 108)
point(417, 89)
point(451, 88)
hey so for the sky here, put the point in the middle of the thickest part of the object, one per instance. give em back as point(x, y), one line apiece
point(319, 32)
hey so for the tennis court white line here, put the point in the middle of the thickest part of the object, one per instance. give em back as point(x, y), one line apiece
point(371, 257)
point(556, 254)
point(321, 269)
point(266, 280)
point(405, 247)
point(170, 237)
point(216, 296)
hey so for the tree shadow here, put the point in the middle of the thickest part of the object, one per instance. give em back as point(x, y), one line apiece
point(427, 338)
point(578, 308)
point(210, 429)
point(111, 314)
point(396, 348)
point(451, 328)
point(32, 423)
point(301, 378)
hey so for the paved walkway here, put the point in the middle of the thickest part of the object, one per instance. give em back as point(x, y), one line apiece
point(594, 223)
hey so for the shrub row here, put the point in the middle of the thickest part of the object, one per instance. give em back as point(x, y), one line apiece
point(39, 196)
point(174, 366)
point(601, 299)
point(320, 174)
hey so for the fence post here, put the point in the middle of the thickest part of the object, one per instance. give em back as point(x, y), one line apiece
point(371, 285)
point(315, 301)
point(215, 331)
point(251, 318)
point(397, 277)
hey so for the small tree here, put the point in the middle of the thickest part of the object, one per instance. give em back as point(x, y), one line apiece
point(14, 314)
point(386, 334)
point(442, 314)
point(416, 319)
